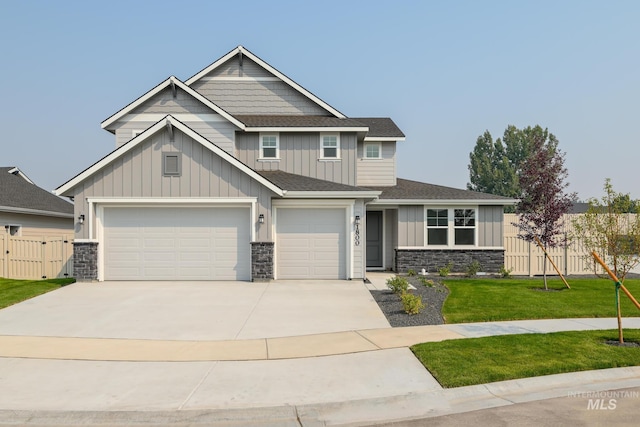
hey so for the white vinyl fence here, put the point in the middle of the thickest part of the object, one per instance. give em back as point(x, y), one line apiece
point(36, 257)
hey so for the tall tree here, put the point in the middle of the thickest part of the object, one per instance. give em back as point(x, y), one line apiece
point(611, 231)
point(543, 200)
point(495, 166)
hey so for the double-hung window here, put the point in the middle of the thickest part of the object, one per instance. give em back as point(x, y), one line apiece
point(269, 146)
point(372, 150)
point(329, 146)
point(464, 225)
point(437, 227)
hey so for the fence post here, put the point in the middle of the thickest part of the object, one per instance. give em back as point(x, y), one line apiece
point(530, 260)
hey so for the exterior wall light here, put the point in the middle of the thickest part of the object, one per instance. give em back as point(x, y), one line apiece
point(357, 220)
point(261, 218)
point(81, 219)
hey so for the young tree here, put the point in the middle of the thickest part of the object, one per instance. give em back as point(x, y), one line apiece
point(543, 201)
point(611, 230)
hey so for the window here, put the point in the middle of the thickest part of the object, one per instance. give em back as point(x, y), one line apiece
point(329, 146)
point(437, 227)
point(171, 164)
point(464, 222)
point(372, 151)
point(13, 230)
point(269, 146)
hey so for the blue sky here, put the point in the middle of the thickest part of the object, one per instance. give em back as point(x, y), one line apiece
point(444, 71)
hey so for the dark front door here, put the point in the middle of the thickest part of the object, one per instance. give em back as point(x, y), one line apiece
point(374, 239)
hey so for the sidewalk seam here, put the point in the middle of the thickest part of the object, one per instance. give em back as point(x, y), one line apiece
point(368, 340)
point(202, 380)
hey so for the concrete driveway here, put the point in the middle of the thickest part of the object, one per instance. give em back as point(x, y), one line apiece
point(195, 310)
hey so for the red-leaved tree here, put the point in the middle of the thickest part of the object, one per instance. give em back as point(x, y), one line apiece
point(543, 200)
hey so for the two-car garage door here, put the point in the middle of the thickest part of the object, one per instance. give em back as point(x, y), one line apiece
point(176, 243)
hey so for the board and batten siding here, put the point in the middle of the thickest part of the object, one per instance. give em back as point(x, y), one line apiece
point(377, 172)
point(138, 173)
point(300, 154)
point(490, 226)
point(411, 225)
point(250, 89)
point(359, 260)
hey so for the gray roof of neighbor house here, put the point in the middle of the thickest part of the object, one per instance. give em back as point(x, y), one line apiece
point(18, 194)
point(406, 189)
point(380, 127)
point(292, 182)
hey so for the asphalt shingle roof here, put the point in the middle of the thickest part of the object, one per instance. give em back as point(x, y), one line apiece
point(382, 127)
point(16, 192)
point(292, 182)
point(406, 189)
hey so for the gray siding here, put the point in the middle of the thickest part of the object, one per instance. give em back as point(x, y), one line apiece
point(138, 173)
point(165, 103)
point(411, 225)
point(490, 226)
point(300, 154)
point(377, 172)
point(239, 90)
point(390, 236)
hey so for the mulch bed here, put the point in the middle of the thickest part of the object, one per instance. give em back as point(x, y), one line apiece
point(432, 298)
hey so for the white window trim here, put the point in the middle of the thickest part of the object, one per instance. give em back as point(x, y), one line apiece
point(364, 150)
point(451, 233)
point(322, 135)
point(261, 152)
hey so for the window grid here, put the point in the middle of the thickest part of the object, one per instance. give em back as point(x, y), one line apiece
point(330, 144)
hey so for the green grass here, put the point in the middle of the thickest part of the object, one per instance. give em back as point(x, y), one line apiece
point(486, 300)
point(15, 291)
point(456, 363)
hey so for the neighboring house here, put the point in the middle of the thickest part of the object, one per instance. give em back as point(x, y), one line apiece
point(35, 229)
point(239, 173)
point(28, 210)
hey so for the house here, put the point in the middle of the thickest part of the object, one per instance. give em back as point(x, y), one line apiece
point(240, 173)
point(28, 210)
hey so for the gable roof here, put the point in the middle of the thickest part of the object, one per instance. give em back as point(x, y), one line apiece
point(243, 51)
point(19, 194)
point(407, 191)
point(168, 120)
point(172, 80)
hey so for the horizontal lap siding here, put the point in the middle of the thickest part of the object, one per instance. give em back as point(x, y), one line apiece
point(377, 172)
point(300, 154)
point(138, 173)
point(37, 225)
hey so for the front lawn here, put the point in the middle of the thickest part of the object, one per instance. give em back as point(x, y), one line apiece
point(486, 300)
point(15, 291)
point(456, 363)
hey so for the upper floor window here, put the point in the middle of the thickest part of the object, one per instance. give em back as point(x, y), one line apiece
point(269, 146)
point(329, 146)
point(372, 151)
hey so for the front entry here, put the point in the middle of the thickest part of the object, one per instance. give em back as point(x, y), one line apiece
point(374, 239)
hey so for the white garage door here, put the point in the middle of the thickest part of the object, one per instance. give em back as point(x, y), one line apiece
point(177, 243)
point(311, 244)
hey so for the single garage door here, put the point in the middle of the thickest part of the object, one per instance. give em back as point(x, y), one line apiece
point(171, 243)
point(311, 244)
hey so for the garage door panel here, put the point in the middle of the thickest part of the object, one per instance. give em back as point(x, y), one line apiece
point(311, 243)
point(167, 243)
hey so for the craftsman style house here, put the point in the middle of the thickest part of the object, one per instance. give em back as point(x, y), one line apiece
point(240, 173)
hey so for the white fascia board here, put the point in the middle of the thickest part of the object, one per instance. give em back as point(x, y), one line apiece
point(151, 131)
point(126, 110)
point(331, 194)
point(270, 69)
point(133, 201)
point(452, 248)
point(35, 212)
point(306, 129)
point(20, 174)
point(455, 202)
point(383, 139)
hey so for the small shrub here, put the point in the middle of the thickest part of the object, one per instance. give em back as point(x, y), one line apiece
point(412, 303)
point(446, 270)
point(426, 282)
point(398, 285)
point(411, 273)
point(505, 273)
point(473, 268)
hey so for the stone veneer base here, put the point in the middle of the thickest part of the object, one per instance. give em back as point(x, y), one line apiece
point(261, 261)
point(85, 261)
point(491, 260)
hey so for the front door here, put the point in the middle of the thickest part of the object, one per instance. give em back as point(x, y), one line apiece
point(374, 239)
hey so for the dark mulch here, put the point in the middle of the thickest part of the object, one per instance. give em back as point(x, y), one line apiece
point(622, 344)
point(432, 298)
